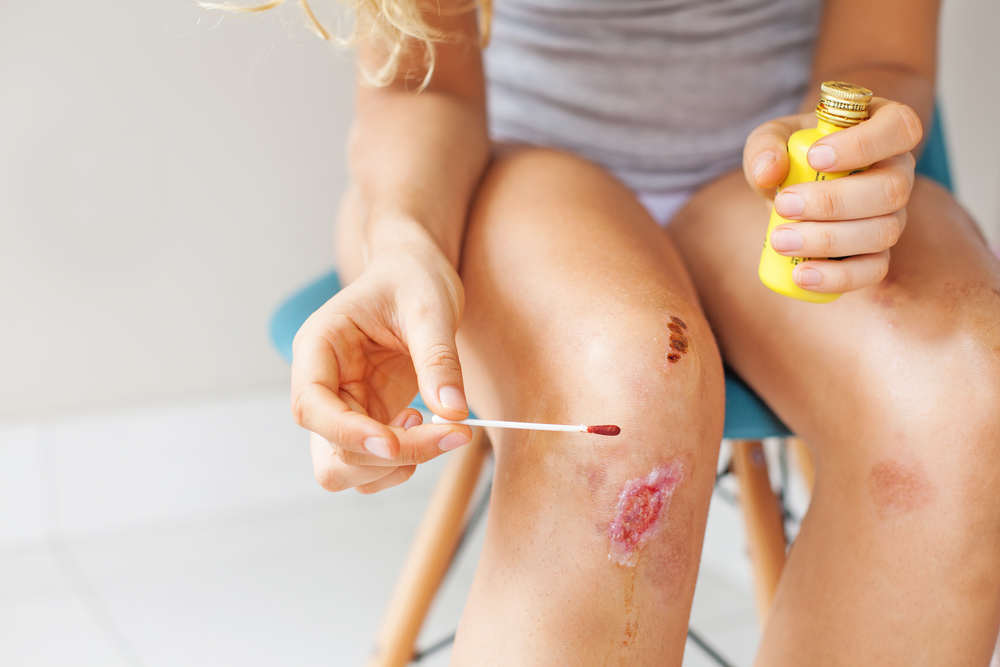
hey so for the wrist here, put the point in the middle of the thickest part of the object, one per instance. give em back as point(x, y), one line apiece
point(405, 255)
point(399, 234)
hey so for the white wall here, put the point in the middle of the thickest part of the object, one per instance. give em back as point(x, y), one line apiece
point(165, 180)
point(163, 185)
point(970, 95)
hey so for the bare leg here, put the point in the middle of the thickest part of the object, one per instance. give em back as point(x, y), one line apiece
point(897, 387)
point(578, 310)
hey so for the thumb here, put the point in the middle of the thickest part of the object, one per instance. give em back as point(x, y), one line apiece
point(431, 341)
point(765, 155)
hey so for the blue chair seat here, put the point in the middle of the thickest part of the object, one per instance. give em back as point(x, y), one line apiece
point(747, 416)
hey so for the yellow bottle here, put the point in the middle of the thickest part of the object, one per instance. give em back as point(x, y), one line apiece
point(840, 105)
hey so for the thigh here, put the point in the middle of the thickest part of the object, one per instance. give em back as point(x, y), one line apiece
point(884, 354)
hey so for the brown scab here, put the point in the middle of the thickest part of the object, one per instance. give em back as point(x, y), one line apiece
point(678, 339)
point(898, 488)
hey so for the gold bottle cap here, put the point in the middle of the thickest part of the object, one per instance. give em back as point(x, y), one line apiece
point(842, 103)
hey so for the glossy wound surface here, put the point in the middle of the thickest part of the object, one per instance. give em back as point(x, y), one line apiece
point(640, 505)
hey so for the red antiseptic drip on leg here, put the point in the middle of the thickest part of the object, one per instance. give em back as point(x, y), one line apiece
point(640, 505)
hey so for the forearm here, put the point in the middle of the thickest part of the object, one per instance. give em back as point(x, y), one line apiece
point(415, 160)
point(888, 46)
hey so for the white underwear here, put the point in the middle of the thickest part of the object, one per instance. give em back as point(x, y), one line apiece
point(663, 206)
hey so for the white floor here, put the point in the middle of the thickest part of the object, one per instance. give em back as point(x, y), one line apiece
point(195, 535)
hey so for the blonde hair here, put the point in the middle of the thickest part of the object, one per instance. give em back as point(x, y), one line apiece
point(391, 24)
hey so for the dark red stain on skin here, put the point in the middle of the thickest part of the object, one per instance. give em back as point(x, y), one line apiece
point(673, 357)
point(604, 429)
point(631, 614)
point(898, 488)
point(675, 328)
point(678, 321)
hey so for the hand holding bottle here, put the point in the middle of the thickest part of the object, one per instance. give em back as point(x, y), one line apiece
point(858, 218)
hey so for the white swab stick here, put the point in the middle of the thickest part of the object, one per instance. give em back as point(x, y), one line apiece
point(532, 426)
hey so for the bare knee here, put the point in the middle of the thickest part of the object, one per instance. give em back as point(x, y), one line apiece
point(934, 442)
point(642, 494)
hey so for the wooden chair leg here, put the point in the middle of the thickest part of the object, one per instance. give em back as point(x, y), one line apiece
point(430, 554)
point(804, 461)
point(762, 517)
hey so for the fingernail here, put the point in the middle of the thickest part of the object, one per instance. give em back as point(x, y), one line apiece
point(378, 446)
point(763, 161)
point(821, 157)
point(807, 277)
point(786, 239)
point(452, 440)
point(452, 397)
point(411, 421)
point(789, 203)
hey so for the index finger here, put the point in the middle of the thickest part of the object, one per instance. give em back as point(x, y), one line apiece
point(892, 129)
point(316, 403)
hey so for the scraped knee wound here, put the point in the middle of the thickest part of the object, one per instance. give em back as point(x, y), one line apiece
point(641, 510)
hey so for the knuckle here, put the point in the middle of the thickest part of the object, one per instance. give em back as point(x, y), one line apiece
point(423, 307)
point(415, 455)
point(890, 231)
point(329, 478)
point(864, 148)
point(368, 489)
point(826, 241)
point(897, 189)
point(349, 458)
point(882, 267)
point(827, 202)
point(441, 355)
point(902, 215)
point(838, 280)
point(300, 406)
point(912, 128)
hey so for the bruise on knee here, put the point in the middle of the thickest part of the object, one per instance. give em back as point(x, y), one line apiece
point(897, 488)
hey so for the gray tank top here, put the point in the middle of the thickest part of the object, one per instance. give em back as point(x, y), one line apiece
point(661, 92)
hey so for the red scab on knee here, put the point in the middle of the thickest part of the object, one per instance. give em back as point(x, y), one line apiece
point(898, 488)
point(641, 505)
point(678, 339)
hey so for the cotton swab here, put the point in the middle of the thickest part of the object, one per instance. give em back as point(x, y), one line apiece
point(602, 429)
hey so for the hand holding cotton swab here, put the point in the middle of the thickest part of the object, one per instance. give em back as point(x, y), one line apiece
point(602, 429)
